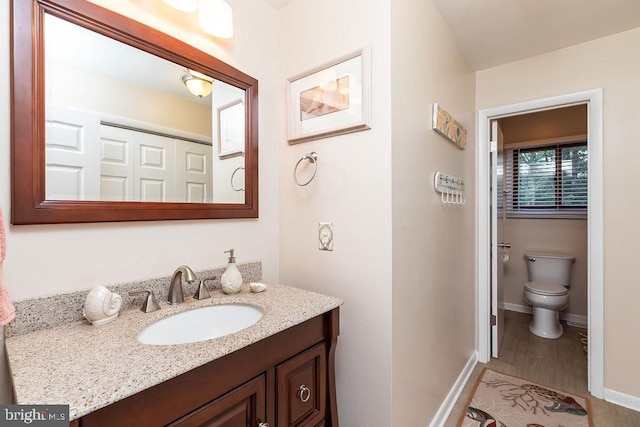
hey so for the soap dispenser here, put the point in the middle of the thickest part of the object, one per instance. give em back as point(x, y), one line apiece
point(231, 279)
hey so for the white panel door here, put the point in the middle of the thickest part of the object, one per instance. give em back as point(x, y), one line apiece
point(116, 164)
point(497, 244)
point(72, 154)
point(193, 172)
point(154, 168)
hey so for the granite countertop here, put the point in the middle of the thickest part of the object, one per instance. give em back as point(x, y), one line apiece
point(88, 367)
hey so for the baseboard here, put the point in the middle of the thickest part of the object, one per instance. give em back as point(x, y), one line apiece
point(626, 400)
point(571, 319)
point(451, 399)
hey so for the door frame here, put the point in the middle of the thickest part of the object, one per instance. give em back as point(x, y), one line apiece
point(595, 282)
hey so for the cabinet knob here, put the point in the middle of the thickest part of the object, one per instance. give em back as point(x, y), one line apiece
point(263, 425)
point(304, 393)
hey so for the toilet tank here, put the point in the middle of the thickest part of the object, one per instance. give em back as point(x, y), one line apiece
point(543, 267)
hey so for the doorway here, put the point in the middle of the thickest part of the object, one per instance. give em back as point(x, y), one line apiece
point(541, 192)
point(595, 290)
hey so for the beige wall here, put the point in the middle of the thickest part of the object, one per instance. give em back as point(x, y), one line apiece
point(424, 311)
point(50, 259)
point(433, 243)
point(567, 236)
point(608, 63)
point(352, 189)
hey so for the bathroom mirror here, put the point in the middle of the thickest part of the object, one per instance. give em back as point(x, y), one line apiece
point(105, 129)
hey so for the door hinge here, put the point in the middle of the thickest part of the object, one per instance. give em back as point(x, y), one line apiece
point(493, 146)
point(494, 320)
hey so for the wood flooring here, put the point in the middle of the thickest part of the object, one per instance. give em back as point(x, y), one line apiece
point(559, 364)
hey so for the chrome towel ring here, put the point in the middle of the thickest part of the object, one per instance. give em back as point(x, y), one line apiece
point(313, 158)
point(234, 174)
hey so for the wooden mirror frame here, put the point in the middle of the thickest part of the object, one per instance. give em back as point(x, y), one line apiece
point(28, 204)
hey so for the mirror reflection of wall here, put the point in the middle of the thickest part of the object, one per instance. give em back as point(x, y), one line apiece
point(121, 125)
point(229, 130)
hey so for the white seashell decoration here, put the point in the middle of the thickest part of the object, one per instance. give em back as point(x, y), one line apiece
point(101, 305)
point(257, 287)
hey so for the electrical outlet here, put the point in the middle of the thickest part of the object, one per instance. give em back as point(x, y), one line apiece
point(325, 236)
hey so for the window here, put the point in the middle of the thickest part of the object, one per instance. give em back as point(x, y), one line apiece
point(546, 181)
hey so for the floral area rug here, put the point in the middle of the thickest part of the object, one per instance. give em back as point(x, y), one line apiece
point(501, 400)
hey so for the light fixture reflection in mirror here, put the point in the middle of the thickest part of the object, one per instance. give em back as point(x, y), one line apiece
point(198, 84)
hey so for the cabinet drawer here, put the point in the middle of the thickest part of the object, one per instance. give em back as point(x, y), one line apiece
point(241, 407)
point(301, 384)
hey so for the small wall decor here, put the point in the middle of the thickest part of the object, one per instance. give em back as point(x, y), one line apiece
point(330, 100)
point(231, 130)
point(451, 188)
point(446, 125)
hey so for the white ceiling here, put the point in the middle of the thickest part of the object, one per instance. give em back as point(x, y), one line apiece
point(495, 32)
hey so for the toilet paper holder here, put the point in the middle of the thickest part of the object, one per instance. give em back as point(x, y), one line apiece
point(505, 254)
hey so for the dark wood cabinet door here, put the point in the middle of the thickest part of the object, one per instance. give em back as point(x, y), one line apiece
point(241, 407)
point(301, 393)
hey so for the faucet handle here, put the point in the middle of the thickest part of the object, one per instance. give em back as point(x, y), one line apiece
point(150, 303)
point(202, 292)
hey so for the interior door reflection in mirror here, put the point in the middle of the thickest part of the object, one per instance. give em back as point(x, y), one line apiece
point(122, 125)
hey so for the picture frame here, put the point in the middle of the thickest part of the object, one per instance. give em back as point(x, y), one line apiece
point(332, 99)
point(231, 129)
point(447, 126)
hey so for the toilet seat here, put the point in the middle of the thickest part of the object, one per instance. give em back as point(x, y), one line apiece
point(546, 288)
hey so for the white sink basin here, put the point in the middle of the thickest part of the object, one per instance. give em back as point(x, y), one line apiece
point(200, 324)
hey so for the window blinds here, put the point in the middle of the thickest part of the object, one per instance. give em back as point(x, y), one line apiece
point(543, 181)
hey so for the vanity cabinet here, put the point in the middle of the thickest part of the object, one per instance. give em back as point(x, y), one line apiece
point(287, 379)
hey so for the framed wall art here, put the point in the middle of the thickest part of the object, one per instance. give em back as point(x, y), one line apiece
point(231, 138)
point(447, 126)
point(330, 100)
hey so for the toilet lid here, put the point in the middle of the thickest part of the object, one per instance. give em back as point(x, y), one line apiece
point(546, 288)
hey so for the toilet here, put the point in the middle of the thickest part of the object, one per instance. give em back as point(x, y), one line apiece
point(547, 291)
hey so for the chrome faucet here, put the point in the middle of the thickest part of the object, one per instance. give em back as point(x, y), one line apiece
point(175, 289)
